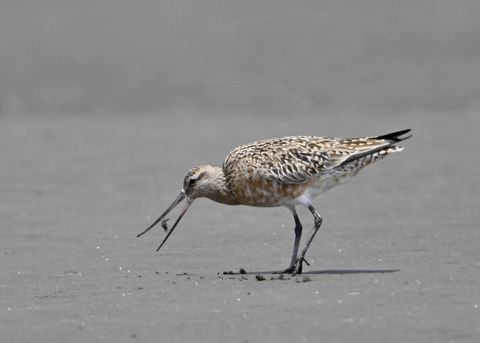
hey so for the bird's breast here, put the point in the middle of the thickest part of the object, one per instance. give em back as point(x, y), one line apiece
point(259, 191)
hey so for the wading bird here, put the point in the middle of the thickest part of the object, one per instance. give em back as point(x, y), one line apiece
point(287, 171)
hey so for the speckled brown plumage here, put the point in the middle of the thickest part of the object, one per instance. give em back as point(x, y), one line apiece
point(284, 172)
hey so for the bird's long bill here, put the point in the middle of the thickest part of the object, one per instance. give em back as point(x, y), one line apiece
point(175, 203)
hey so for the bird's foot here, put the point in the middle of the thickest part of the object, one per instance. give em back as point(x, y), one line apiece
point(295, 268)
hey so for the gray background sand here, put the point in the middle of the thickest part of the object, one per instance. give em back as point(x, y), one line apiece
point(105, 105)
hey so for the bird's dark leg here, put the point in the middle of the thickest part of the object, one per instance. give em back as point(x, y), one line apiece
point(298, 235)
point(300, 259)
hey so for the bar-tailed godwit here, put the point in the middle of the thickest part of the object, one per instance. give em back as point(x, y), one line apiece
point(287, 171)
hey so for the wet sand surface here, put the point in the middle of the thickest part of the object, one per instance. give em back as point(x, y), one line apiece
point(397, 257)
point(104, 106)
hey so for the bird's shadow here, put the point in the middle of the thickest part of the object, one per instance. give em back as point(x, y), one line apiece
point(328, 271)
point(352, 271)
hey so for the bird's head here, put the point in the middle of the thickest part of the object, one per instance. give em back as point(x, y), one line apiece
point(202, 181)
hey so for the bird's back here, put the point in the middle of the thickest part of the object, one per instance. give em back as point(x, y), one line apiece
point(267, 172)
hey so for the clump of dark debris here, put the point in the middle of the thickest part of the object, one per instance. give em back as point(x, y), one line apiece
point(259, 277)
point(231, 272)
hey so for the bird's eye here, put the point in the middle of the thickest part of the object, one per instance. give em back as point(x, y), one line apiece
point(192, 181)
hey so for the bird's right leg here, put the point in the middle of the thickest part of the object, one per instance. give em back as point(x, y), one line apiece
point(317, 222)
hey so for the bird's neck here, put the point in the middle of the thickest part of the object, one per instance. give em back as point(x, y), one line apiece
point(216, 188)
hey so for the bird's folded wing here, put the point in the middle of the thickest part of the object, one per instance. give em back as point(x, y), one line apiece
point(294, 160)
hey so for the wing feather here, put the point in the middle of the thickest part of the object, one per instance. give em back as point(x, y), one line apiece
point(294, 160)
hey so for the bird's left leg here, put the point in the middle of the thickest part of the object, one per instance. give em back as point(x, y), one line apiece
point(298, 235)
point(317, 222)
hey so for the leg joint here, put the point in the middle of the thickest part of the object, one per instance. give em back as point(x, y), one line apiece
point(317, 217)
